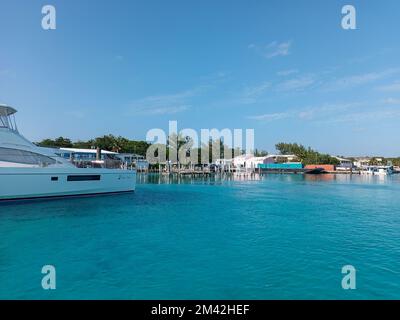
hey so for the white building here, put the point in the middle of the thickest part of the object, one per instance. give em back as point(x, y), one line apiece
point(247, 161)
point(82, 154)
point(344, 164)
point(273, 158)
point(138, 161)
point(252, 162)
point(361, 162)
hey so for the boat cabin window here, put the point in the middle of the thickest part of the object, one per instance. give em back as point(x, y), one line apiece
point(3, 121)
point(8, 121)
point(24, 157)
point(95, 177)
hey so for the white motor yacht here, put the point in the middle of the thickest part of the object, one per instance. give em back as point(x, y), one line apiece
point(28, 171)
point(378, 170)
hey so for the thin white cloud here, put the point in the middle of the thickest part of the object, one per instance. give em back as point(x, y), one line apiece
point(360, 79)
point(302, 82)
point(167, 110)
point(215, 79)
point(297, 84)
point(394, 87)
point(370, 56)
point(271, 116)
point(251, 94)
point(372, 115)
point(164, 104)
point(327, 111)
point(391, 101)
point(256, 93)
point(272, 50)
point(284, 73)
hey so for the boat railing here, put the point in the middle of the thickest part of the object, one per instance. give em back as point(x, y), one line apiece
point(104, 164)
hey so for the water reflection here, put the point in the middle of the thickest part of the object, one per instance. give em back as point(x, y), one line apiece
point(155, 178)
point(218, 178)
point(350, 178)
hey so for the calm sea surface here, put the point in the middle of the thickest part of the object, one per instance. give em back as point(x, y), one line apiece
point(271, 237)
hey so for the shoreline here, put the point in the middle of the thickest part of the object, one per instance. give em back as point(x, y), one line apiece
point(254, 172)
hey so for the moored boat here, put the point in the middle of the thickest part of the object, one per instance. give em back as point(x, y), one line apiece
point(378, 170)
point(28, 171)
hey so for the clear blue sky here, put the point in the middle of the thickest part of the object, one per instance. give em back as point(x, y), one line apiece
point(285, 68)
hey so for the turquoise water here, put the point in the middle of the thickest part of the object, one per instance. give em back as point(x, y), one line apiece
point(274, 237)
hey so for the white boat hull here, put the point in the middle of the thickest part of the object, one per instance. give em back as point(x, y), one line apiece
point(377, 173)
point(29, 183)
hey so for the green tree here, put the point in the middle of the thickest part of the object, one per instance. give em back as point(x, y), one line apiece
point(305, 155)
point(106, 142)
point(60, 142)
point(260, 153)
point(374, 162)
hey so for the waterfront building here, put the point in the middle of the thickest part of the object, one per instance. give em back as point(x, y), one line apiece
point(361, 162)
point(251, 162)
point(224, 164)
point(282, 166)
point(344, 164)
point(134, 160)
point(248, 161)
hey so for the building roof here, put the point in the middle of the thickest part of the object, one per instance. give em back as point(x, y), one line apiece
point(76, 150)
point(341, 159)
point(280, 156)
point(130, 155)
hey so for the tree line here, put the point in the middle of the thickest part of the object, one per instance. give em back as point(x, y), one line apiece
point(306, 155)
point(216, 149)
point(310, 156)
point(106, 142)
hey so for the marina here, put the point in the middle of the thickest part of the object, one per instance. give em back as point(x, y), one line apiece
point(264, 204)
point(199, 157)
point(76, 171)
point(269, 237)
